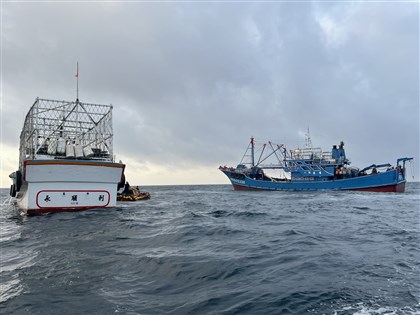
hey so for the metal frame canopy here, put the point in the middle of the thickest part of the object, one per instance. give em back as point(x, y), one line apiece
point(49, 122)
point(277, 156)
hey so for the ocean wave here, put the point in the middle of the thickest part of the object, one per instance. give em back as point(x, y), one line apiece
point(212, 250)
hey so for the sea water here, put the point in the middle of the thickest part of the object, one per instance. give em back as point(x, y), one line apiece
point(212, 250)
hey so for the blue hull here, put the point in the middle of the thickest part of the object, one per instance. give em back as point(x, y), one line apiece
point(388, 181)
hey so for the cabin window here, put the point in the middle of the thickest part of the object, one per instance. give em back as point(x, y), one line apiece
point(315, 167)
point(238, 176)
point(306, 168)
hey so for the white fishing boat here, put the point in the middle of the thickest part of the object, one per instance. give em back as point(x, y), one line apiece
point(66, 160)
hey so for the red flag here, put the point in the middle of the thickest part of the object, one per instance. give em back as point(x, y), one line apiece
point(77, 71)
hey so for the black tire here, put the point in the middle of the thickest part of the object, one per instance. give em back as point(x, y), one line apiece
point(13, 190)
point(122, 182)
point(18, 180)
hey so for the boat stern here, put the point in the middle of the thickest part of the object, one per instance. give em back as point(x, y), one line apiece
point(68, 185)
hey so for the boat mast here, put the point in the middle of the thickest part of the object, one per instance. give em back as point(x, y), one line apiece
point(252, 152)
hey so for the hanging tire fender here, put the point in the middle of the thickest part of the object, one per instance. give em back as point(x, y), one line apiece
point(122, 182)
point(13, 190)
point(18, 180)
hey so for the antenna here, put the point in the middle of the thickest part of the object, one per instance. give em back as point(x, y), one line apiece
point(308, 141)
point(77, 82)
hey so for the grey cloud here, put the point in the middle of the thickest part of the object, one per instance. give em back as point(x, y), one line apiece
point(191, 82)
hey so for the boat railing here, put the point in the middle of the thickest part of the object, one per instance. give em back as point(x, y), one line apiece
point(326, 155)
point(306, 153)
point(64, 129)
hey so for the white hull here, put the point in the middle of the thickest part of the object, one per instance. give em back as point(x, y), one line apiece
point(68, 185)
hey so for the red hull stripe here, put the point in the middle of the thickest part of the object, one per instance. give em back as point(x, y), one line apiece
point(239, 187)
point(389, 188)
point(54, 210)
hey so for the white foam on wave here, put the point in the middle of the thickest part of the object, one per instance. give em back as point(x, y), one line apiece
point(10, 289)
point(361, 309)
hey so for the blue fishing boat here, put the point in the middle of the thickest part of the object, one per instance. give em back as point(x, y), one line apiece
point(311, 168)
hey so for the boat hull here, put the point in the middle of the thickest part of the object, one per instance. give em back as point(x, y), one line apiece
point(68, 185)
point(383, 182)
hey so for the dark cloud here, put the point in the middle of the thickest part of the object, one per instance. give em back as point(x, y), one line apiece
point(191, 82)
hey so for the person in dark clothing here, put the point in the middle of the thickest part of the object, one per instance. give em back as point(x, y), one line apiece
point(127, 190)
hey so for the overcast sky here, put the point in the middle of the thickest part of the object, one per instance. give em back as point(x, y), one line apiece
point(191, 82)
